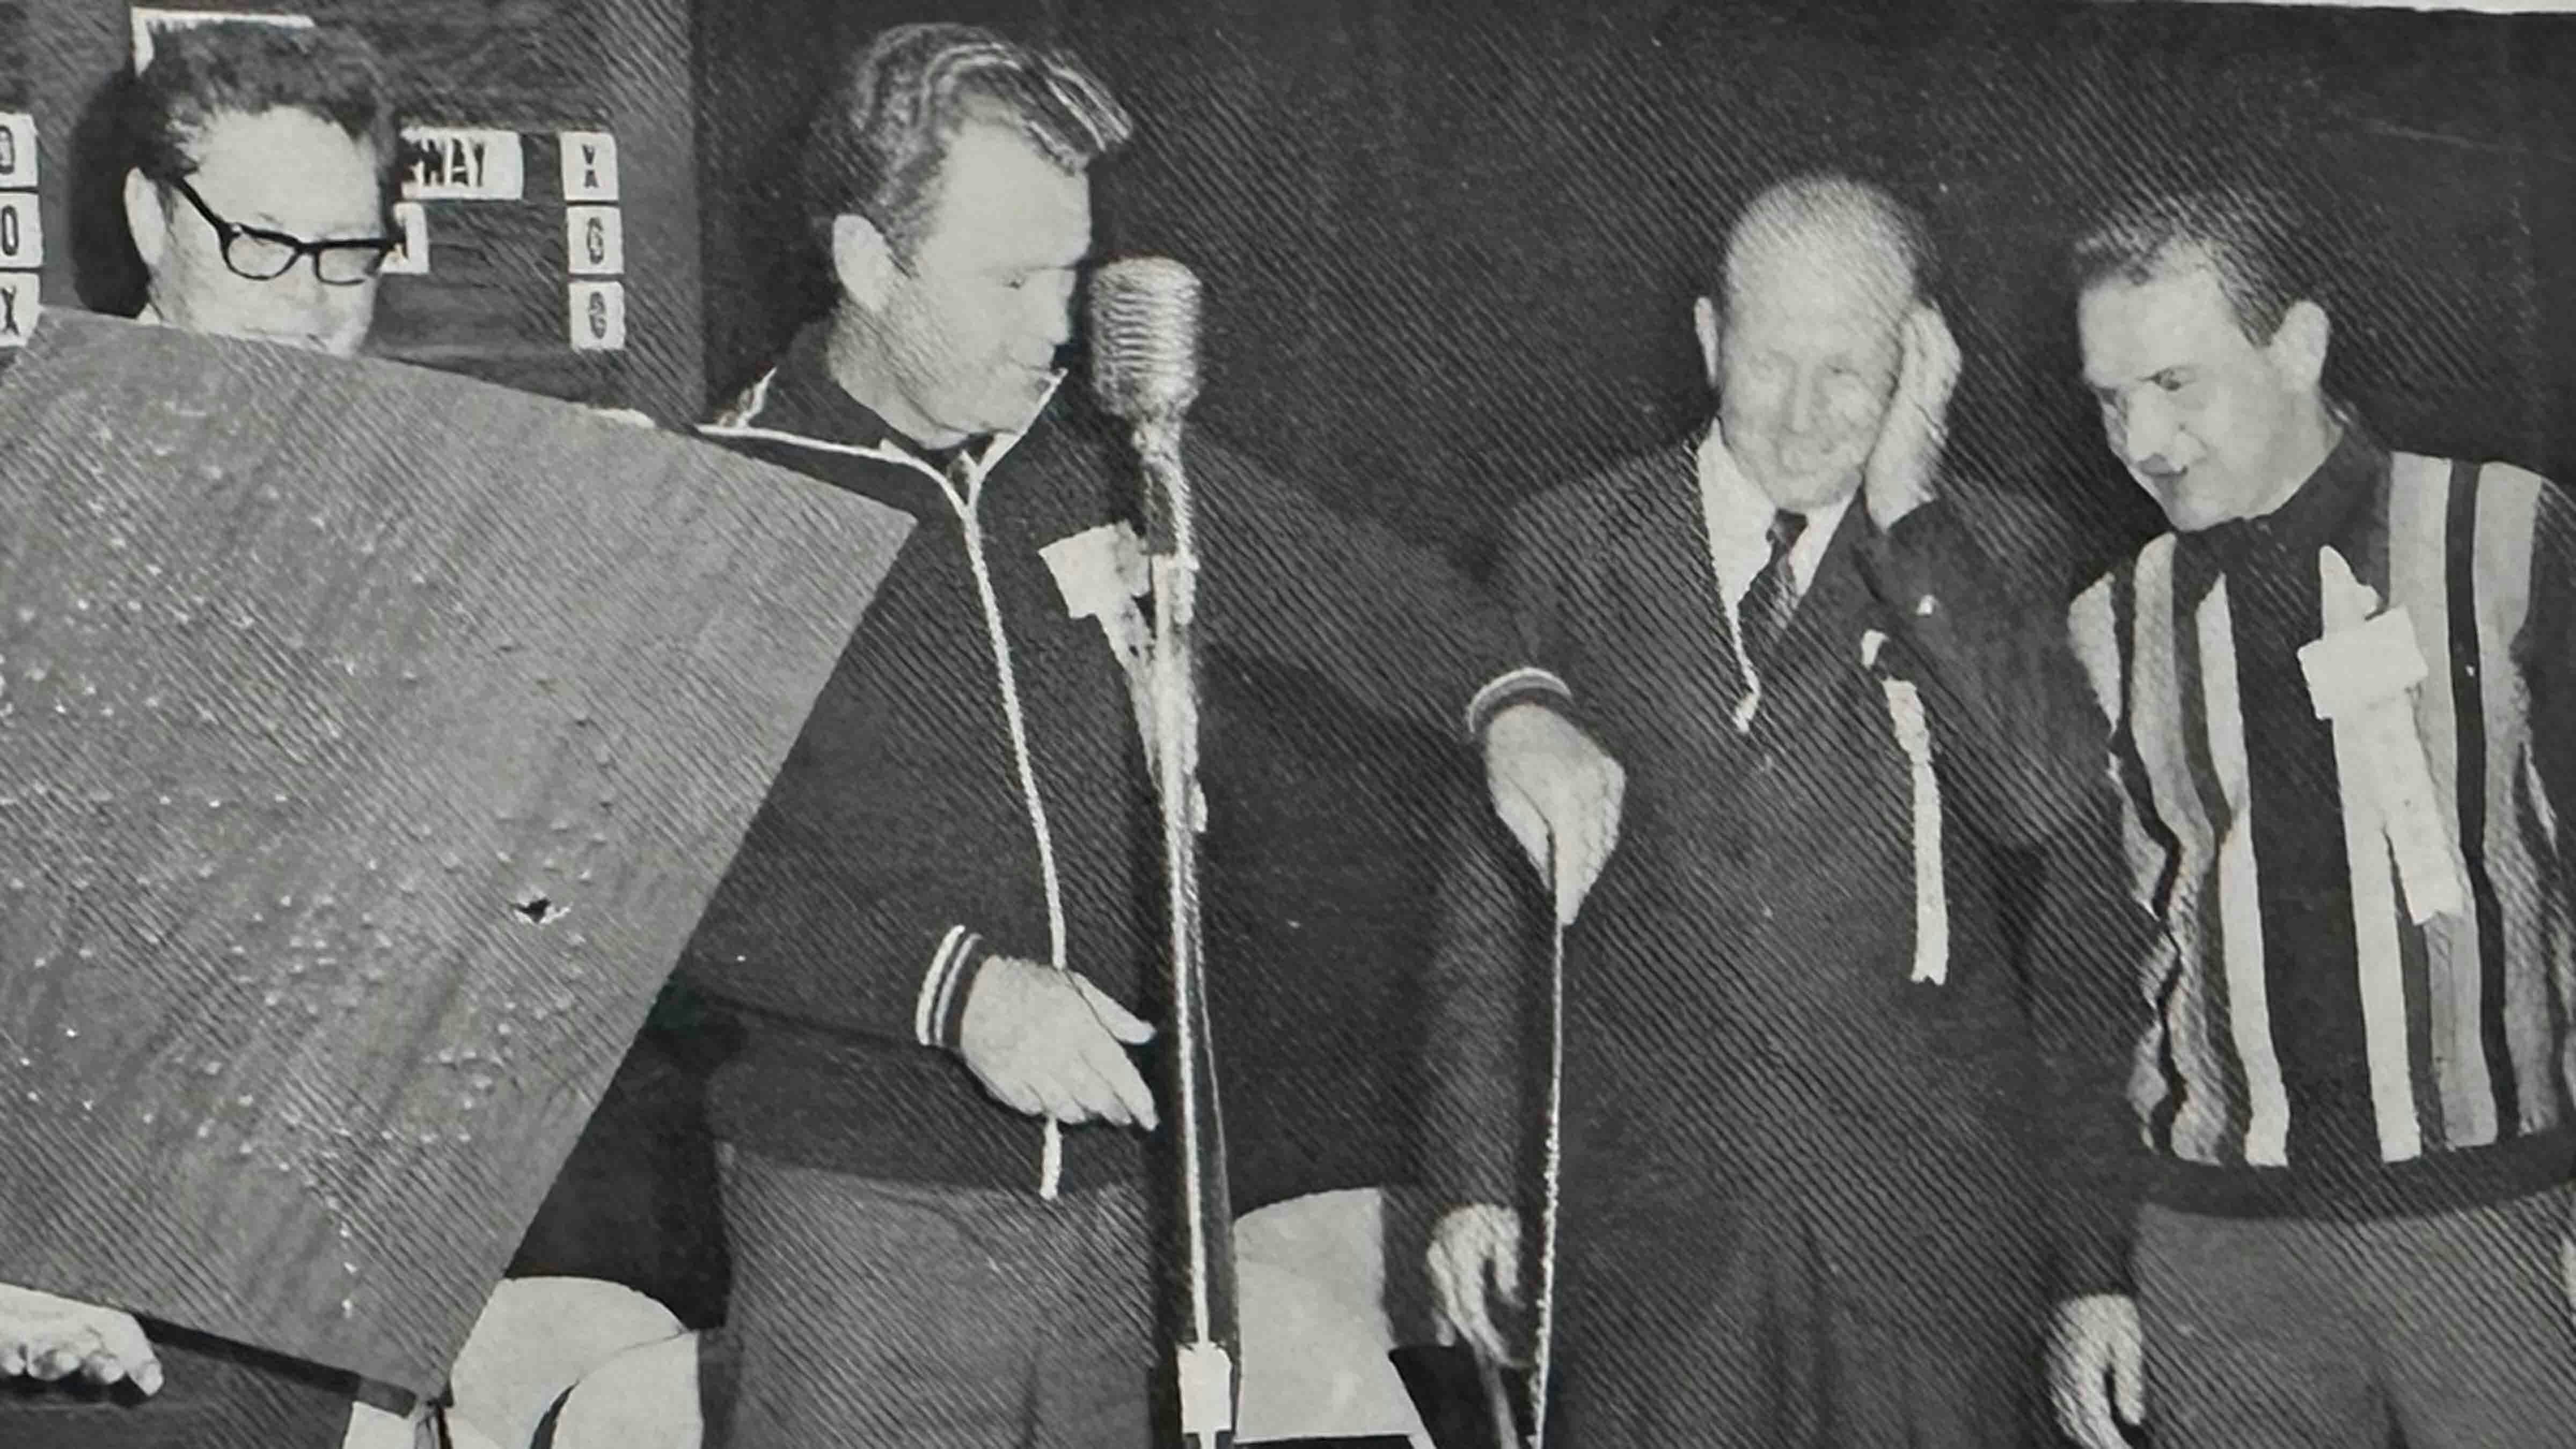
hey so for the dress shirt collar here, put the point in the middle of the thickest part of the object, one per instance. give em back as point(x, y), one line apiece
point(1738, 514)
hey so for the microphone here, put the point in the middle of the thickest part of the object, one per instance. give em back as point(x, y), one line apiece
point(1145, 372)
point(1145, 340)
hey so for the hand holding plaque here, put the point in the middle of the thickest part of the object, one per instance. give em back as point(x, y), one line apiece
point(46, 1337)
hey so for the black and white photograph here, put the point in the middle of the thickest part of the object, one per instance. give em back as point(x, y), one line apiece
point(1461, 724)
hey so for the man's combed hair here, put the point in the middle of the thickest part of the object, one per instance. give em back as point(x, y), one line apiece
point(878, 144)
point(244, 68)
point(2244, 234)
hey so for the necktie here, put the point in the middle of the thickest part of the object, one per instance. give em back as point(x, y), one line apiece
point(1772, 596)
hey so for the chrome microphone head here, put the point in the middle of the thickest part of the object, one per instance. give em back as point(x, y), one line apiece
point(1145, 339)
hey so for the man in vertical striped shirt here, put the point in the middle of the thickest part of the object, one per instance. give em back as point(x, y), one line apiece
point(2340, 693)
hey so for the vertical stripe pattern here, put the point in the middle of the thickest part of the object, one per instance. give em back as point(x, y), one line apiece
point(2097, 623)
point(2345, 604)
point(2217, 979)
point(2240, 900)
point(2464, 1019)
point(2200, 1109)
point(2506, 506)
point(2471, 802)
point(2420, 573)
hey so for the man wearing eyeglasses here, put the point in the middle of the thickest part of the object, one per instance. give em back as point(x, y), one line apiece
point(260, 192)
point(258, 200)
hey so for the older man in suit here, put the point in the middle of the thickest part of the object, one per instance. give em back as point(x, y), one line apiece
point(1800, 1186)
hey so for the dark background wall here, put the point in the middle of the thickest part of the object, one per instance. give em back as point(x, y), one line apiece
point(493, 303)
point(1450, 250)
point(1450, 245)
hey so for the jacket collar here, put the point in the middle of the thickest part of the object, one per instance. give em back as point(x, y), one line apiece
point(799, 404)
point(2320, 513)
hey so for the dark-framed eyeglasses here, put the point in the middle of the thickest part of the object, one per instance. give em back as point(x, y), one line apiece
point(259, 255)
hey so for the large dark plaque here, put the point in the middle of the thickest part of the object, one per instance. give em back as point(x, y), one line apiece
point(370, 741)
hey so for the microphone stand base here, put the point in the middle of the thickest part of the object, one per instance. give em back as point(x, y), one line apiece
point(1206, 1378)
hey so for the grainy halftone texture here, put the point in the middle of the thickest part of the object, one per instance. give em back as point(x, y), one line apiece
point(2447, 1332)
point(373, 741)
point(1450, 249)
point(493, 304)
point(1024, 1322)
point(13, 68)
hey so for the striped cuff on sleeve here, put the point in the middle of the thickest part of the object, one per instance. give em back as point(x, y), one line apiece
point(1520, 686)
point(942, 1003)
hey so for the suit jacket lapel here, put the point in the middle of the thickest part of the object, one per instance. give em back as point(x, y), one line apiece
point(1670, 597)
point(1817, 674)
point(1837, 605)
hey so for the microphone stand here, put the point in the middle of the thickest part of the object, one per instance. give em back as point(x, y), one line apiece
point(1205, 1353)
